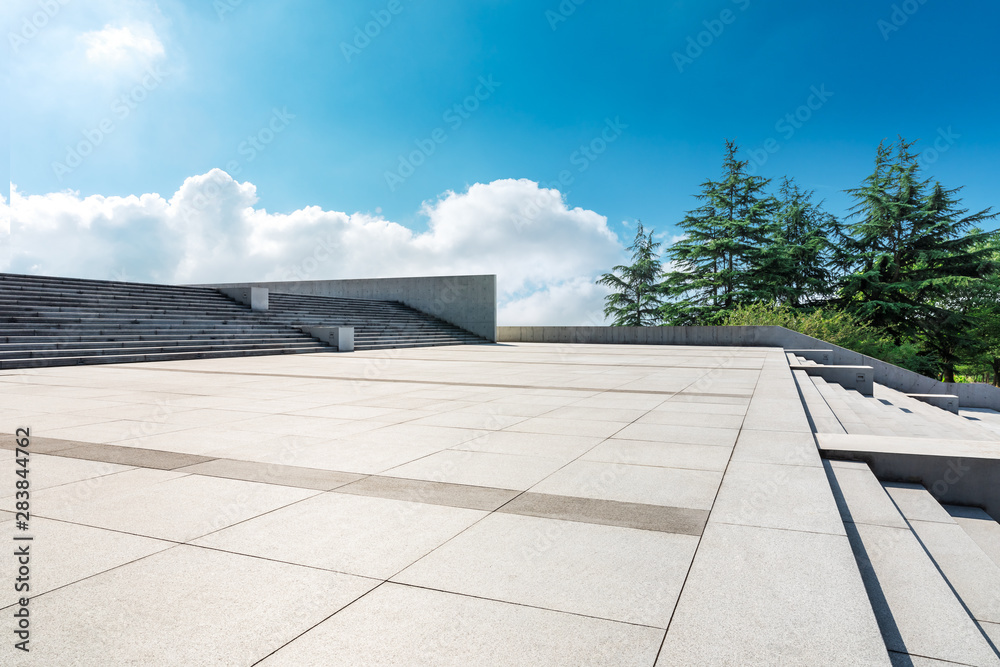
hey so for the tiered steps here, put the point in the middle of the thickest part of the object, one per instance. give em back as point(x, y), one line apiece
point(888, 412)
point(64, 321)
point(48, 321)
point(933, 589)
point(377, 324)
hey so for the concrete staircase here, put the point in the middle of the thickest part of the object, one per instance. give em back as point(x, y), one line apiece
point(377, 324)
point(931, 572)
point(835, 409)
point(48, 321)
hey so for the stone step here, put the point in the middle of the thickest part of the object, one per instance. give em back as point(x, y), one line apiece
point(980, 526)
point(130, 349)
point(972, 575)
point(918, 613)
point(137, 358)
point(821, 417)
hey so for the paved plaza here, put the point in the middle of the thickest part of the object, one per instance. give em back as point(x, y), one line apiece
point(514, 504)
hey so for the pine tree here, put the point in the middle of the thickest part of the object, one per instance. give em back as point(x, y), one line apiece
point(636, 297)
point(795, 263)
point(718, 263)
point(910, 246)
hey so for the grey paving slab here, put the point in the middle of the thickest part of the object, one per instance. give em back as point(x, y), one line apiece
point(603, 571)
point(678, 418)
point(587, 427)
point(273, 473)
point(662, 454)
point(915, 503)
point(860, 496)
point(975, 578)
point(185, 606)
point(688, 407)
point(167, 505)
point(501, 471)
point(693, 435)
point(788, 448)
point(590, 412)
point(403, 625)
point(777, 496)
point(904, 586)
point(906, 660)
point(980, 526)
point(609, 513)
point(777, 415)
point(547, 445)
point(674, 487)
point(759, 596)
point(39, 445)
point(47, 471)
point(367, 536)
point(134, 456)
point(992, 631)
point(63, 553)
point(435, 493)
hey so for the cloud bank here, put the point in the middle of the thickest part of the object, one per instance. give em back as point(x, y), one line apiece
point(546, 255)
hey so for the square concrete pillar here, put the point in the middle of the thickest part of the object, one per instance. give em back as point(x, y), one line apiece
point(255, 297)
point(341, 338)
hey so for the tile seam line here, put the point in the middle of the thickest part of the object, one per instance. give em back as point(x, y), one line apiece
point(444, 382)
point(701, 537)
point(944, 577)
point(339, 489)
point(526, 491)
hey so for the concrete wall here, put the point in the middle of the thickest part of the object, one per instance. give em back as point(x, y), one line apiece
point(900, 379)
point(469, 302)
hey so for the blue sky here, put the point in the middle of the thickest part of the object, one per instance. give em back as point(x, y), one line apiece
point(287, 97)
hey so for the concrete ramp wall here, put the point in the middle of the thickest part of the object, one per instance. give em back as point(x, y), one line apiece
point(900, 379)
point(469, 302)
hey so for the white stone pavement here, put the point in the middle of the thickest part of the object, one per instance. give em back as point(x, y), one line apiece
point(480, 505)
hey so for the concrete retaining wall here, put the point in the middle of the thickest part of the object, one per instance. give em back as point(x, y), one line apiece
point(900, 379)
point(469, 302)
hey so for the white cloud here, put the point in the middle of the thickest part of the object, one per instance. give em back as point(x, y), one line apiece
point(546, 255)
point(114, 46)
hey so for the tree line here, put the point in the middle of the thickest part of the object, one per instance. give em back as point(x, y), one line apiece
point(909, 276)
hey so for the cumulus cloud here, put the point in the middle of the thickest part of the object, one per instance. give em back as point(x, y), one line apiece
point(545, 254)
point(113, 45)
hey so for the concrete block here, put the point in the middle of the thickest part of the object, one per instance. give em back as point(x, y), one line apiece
point(947, 402)
point(255, 297)
point(820, 356)
point(341, 338)
point(860, 378)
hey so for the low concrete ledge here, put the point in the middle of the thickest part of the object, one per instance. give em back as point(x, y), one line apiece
point(341, 338)
point(956, 472)
point(947, 402)
point(824, 357)
point(255, 297)
point(861, 378)
point(900, 379)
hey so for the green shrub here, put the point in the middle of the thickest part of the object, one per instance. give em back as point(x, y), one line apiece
point(837, 328)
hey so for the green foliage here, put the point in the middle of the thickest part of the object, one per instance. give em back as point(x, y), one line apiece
point(835, 327)
point(908, 251)
point(718, 263)
point(636, 297)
